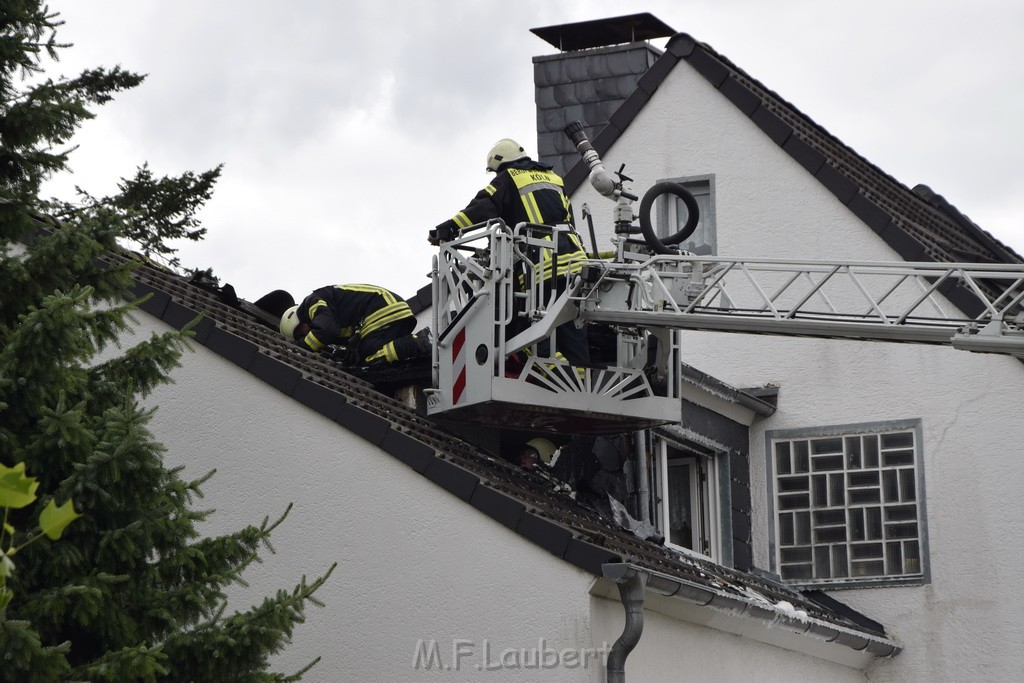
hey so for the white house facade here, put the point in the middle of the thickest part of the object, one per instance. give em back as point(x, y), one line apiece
point(849, 516)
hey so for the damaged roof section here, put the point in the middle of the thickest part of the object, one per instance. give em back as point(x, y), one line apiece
point(525, 502)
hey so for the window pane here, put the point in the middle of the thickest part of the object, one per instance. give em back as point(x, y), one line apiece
point(837, 492)
point(792, 484)
point(839, 562)
point(894, 559)
point(794, 501)
point(822, 566)
point(873, 516)
point(786, 533)
point(830, 517)
point(820, 490)
point(870, 444)
point(855, 518)
point(866, 551)
point(863, 478)
point(908, 486)
point(893, 458)
point(865, 496)
point(900, 513)
point(803, 528)
point(830, 534)
point(680, 529)
point(908, 530)
point(797, 571)
point(796, 555)
point(911, 557)
point(853, 452)
point(868, 568)
point(672, 215)
point(826, 446)
point(898, 440)
point(782, 459)
point(891, 486)
point(801, 459)
point(827, 463)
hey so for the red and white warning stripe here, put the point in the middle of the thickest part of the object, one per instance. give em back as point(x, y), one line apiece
point(459, 366)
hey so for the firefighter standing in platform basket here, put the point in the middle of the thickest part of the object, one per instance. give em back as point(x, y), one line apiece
point(524, 190)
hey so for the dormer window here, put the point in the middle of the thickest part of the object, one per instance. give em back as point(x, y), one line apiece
point(687, 501)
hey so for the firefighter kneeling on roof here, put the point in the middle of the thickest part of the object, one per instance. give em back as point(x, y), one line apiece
point(374, 324)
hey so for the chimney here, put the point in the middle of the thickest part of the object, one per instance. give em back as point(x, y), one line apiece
point(598, 67)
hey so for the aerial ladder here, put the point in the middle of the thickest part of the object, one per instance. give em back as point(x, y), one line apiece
point(492, 309)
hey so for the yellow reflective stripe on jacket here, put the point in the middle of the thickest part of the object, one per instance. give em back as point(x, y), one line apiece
point(490, 189)
point(384, 317)
point(535, 180)
point(372, 289)
point(312, 342)
point(315, 307)
point(524, 177)
point(462, 220)
point(530, 200)
point(566, 263)
point(532, 209)
point(387, 353)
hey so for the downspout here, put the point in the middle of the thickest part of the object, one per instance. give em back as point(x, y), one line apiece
point(631, 592)
point(643, 479)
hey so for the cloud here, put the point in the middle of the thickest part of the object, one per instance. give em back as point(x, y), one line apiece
point(349, 129)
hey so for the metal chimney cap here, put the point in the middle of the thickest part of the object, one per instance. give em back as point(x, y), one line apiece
point(630, 28)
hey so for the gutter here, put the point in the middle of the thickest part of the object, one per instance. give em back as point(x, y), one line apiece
point(635, 583)
point(756, 404)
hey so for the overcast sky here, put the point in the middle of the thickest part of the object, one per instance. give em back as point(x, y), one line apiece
point(348, 129)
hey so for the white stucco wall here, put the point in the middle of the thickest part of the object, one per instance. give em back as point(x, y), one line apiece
point(961, 625)
point(414, 562)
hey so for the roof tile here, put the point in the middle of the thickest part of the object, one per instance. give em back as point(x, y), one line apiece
point(277, 374)
point(452, 478)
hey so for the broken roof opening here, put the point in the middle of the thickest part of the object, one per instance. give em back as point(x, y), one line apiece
point(630, 28)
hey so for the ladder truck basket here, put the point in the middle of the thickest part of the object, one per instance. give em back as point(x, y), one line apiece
point(498, 301)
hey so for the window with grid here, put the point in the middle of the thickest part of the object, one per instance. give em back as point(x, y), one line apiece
point(848, 505)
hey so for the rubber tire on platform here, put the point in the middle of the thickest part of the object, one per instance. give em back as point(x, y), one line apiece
point(661, 246)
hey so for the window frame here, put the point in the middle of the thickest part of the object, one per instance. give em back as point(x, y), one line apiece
point(711, 504)
point(843, 431)
point(698, 185)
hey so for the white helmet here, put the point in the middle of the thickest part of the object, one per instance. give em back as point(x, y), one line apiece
point(545, 449)
point(504, 151)
point(289, 321)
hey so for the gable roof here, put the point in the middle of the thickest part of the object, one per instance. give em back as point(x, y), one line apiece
point(525, 502)
point(917, 223)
